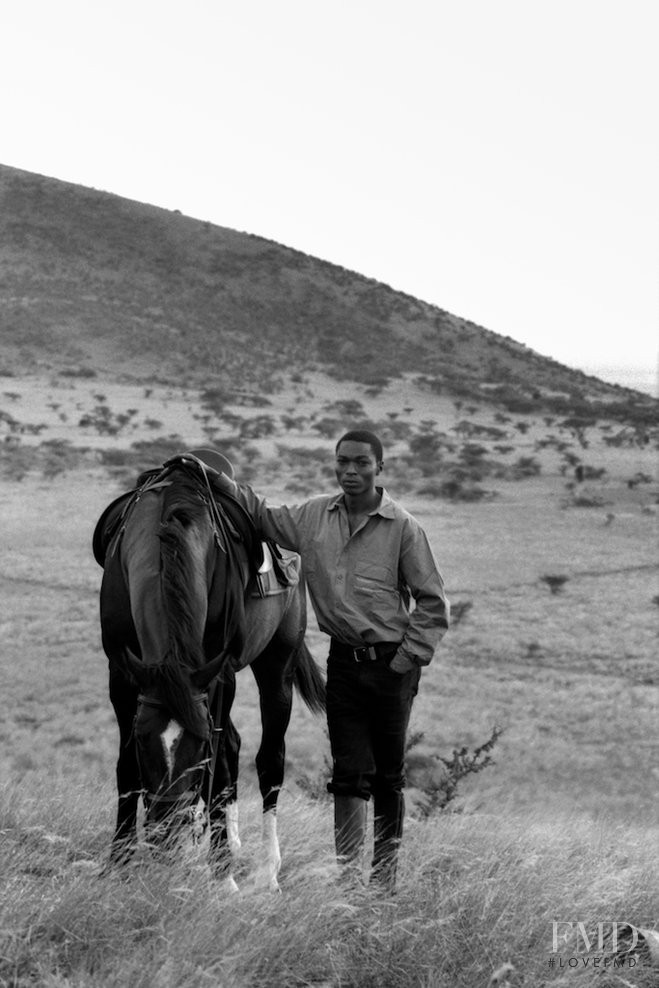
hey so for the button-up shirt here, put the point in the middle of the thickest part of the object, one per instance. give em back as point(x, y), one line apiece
point(360, 583)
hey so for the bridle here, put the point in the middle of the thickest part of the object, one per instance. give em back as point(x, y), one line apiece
point(211, 745)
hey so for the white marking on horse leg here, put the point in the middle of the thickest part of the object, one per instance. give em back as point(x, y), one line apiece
point(272, 852)
point(233, 836)
point(168, 738)
point(199, 821)
point(230, 885)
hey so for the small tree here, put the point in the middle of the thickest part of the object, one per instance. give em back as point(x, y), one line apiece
point(440, 791)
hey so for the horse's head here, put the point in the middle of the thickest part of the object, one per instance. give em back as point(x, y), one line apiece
point(173, 741)
point(172, 759)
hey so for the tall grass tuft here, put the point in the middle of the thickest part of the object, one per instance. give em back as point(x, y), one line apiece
point(475, 892)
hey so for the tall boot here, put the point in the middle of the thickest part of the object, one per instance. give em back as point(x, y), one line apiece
point(349, 834)
point(389, 810)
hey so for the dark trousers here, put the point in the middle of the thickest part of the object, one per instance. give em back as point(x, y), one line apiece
point(368, 711)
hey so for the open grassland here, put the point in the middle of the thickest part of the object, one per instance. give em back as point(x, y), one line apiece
point(571, 676)
point(476, 891)
point(554, 641)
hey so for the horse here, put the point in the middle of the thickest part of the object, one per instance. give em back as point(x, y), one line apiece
point(183, 608)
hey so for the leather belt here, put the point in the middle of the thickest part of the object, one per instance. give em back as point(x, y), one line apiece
point(364, 653)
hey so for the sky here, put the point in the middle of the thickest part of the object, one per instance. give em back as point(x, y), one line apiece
point(497, 158)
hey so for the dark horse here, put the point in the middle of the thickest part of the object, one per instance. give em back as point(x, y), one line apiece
point(181, 613)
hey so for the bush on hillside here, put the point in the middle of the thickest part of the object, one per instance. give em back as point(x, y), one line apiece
point(50, 459)
point(152, 452)
point(83, 372)
point(257, 427)
point(328, 427)
point(454, 488)
point(525, 466)
point(346, 408)
point(295, 455)
point(585, 497)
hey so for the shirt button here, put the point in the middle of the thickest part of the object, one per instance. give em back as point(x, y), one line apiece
point(339, 578)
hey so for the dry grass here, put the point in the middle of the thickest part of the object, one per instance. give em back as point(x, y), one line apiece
point(475, 891)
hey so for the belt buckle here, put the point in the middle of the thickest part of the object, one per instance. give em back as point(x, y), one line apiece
point(371, 654)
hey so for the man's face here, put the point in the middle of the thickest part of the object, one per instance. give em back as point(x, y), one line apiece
point(356, 467)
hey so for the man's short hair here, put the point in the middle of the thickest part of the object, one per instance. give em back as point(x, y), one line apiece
point(363, 436)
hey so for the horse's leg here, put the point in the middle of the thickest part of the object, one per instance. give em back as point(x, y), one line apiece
point(123, 696)
point(223, 808)
point(118, 634)
point(232, 753)
point(273, 671)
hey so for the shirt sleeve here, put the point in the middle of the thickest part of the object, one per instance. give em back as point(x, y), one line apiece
point(281, 523)
point(429, 620)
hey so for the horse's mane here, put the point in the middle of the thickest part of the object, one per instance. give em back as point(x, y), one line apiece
point(184, 506)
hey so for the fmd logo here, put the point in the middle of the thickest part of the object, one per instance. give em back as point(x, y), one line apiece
point(603, 936)
point(607, 944)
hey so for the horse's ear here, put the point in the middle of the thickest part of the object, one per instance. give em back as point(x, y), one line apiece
point(204, 676)
point(136, 669)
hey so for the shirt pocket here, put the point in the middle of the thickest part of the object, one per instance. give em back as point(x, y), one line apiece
point(373, 578)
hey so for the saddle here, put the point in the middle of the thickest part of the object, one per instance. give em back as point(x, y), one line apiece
point(273, 571)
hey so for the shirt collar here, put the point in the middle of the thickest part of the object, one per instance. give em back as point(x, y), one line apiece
point(384, 508)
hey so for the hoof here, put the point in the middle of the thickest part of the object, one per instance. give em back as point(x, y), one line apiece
point(230, 885)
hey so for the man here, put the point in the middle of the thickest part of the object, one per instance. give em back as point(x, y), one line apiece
point(364, 556)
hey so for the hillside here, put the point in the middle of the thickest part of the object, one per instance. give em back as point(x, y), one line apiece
point(94, 282)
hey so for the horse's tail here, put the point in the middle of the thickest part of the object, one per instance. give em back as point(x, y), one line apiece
point(309, 680)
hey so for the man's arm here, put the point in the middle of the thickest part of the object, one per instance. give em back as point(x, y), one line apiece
point(278, 523)
point(429, 621)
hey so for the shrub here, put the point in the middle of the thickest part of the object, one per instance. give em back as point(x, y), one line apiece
point(50, 458)
point(584, 498)
point(347, 408)
point(440, 789)
point(328, 427)
point(454, 488)
point(555, 582)
point(258, 427)
point(293, 421)
point(15, 462)
point(302, 455)
point(525, 466)
point(153, 452)
point(117, 457)
point(472, 460)
point(593, 473)
point(78, 372)
point(214, 398)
